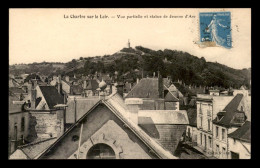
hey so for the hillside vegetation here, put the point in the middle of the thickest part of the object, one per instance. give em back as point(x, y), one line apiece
point(130, 63)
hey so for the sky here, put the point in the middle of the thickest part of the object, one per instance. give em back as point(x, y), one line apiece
point(37, 35)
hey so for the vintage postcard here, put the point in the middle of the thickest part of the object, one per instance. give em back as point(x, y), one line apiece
point(128, 83)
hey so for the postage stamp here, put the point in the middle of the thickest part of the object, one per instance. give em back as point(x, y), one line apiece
point(215, 29)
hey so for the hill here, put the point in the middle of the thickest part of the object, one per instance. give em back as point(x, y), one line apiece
point(130, 63)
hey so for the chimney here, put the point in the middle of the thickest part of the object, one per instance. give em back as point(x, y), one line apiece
point(133, 106)
point(59, 84)
point(33, 94)
point(137, 80)
point(85, 84)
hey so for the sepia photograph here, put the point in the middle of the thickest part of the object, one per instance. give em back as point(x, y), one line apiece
point(129, 83)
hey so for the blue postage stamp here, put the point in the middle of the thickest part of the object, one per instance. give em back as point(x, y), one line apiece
point(215, 28)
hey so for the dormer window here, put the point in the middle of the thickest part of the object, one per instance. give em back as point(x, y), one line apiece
point(239, 118)
point(220, 115)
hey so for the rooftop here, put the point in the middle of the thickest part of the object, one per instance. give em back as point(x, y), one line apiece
point(229, 112)
point(243, 133)
point(146, 88)
point(32, 150)
point(162, 117)
point(51, 95)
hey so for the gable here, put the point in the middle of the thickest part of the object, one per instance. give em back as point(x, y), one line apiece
point(94, 121)
point(115, 137)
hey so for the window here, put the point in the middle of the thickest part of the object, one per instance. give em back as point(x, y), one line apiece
point(22, 124)
point(234, 155)
point(201, 138)
point(216, 132)
point(223, 134)
point(217, 149)
point(210, 142)
point(201, 122)
point(101, 151)
point(209, 124)
point(223, 152)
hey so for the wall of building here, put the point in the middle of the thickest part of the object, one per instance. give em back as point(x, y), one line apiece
point(94, 121)
point(205, 143)
point(16, 119)
point(49, 123)
point(220, 141)
point(239, 147)
point(172, 105)
point(204, 115)
point(192, 133)
point(114, 136)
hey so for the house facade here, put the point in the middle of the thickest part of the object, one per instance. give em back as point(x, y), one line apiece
point(207, 108)
point(240, 142)
point(226, 122)
point(18, 123)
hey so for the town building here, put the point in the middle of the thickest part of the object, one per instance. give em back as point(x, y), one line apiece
point(240, 142)
point(155, 95)
point(18, 123)
point(227, 121)
point(104, 132)
point(191, 131)
point(207, 108)
point(43, 97)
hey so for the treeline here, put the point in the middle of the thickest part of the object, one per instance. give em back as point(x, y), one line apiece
point(177, 64)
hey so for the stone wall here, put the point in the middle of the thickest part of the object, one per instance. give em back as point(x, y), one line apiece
point(49, 123)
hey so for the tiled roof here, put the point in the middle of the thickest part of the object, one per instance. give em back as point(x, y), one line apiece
point(243, 133)
point(92, 85)
point(51, 95)
point(32, 150)
point(230, 111)
point(146, 88)
point(162, 117)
